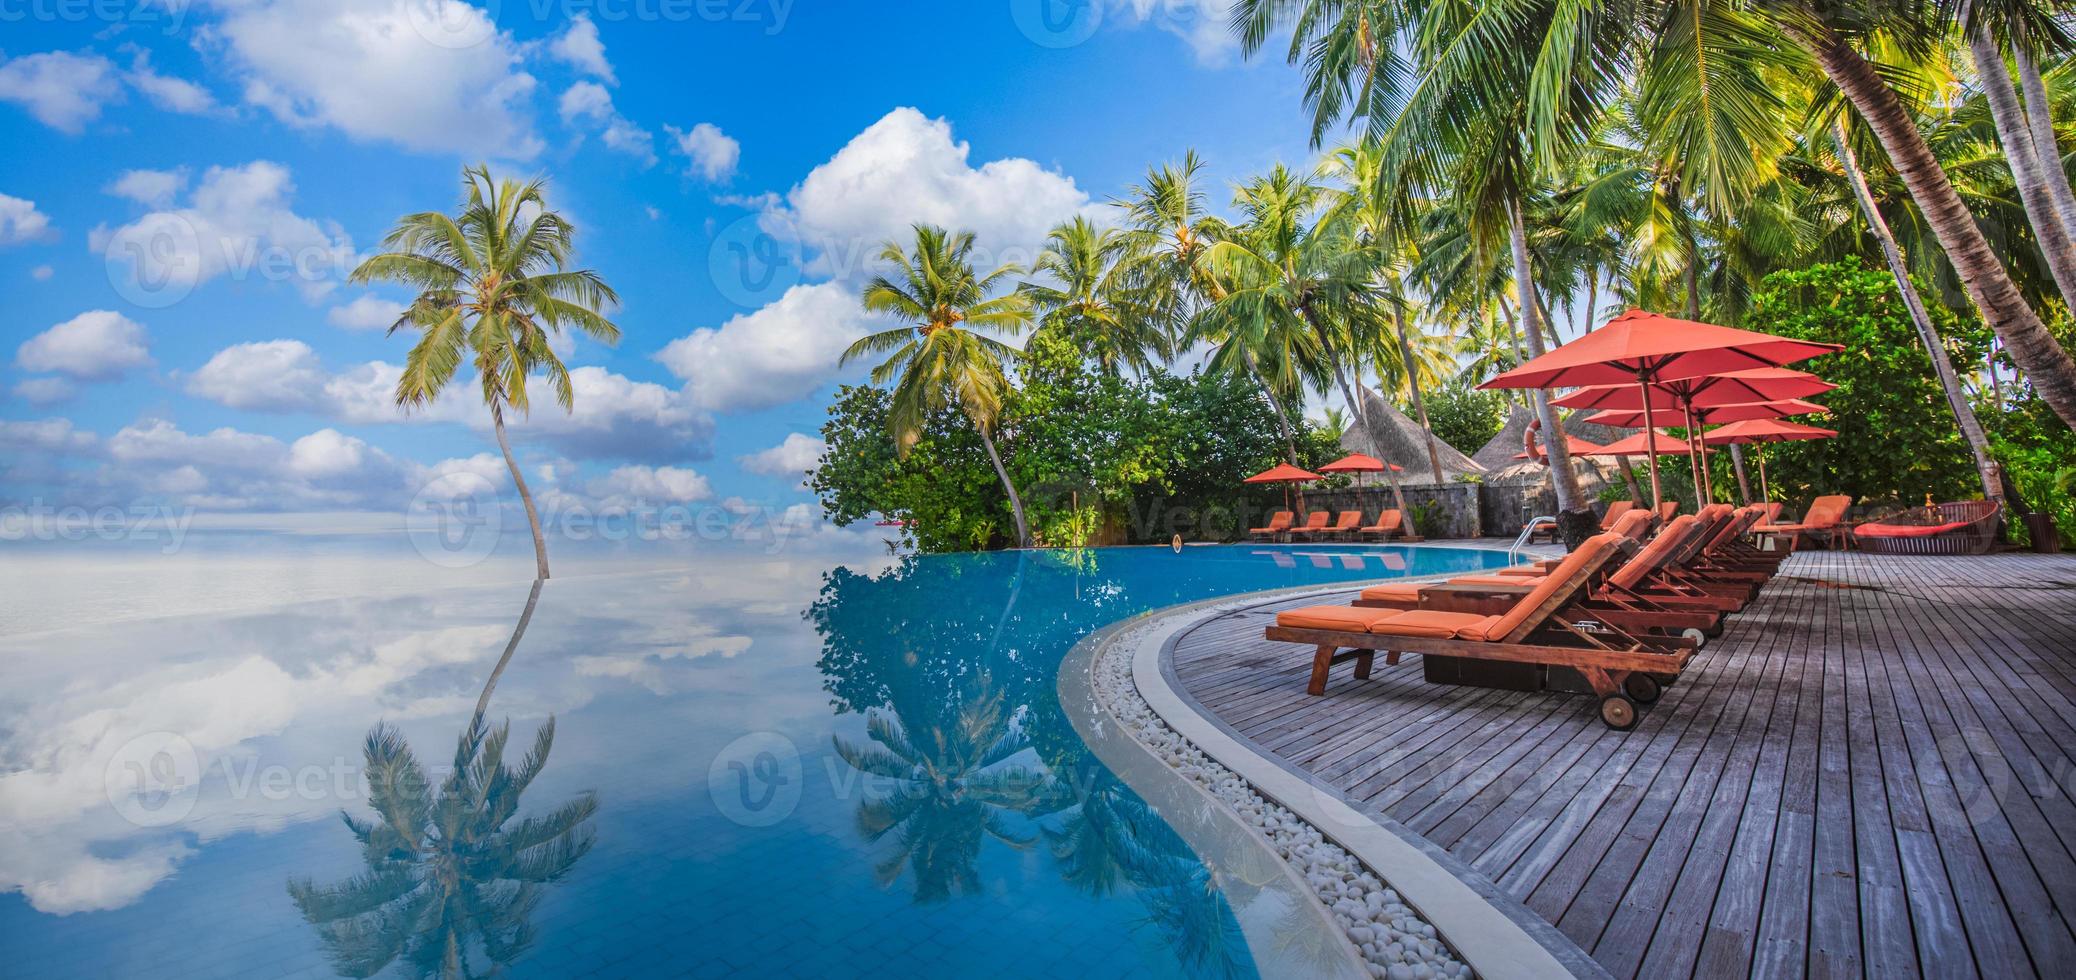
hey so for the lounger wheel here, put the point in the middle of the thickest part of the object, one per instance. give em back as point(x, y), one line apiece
point(1699, 637)
point(1618, 712)
point(1641, 688)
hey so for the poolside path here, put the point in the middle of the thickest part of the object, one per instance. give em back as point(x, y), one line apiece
point(1872, 772)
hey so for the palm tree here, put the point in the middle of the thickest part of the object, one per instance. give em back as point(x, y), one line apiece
point(494, 286)
point(1942, 366)
point(448, 873)
point(950, 792)
point(1095, 303)
point(1169, 231)
point(2016, 132)
point(938, 360)
point(1828, 33)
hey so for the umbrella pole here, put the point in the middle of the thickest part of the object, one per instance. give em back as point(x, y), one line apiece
point(1651, 442)
point(1694, 462)
point(1765, 495)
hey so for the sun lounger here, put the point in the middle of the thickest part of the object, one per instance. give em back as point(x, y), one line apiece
point(1668, 510)
point(1314, 526)
point(1279, 522)
point(1614, 513)
point(1346, 525)
point(1388, 523)
point(1823, 521)
point(1542, 642)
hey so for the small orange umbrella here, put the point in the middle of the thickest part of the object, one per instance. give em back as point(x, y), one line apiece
point(1359, 464)
point(1286, 474)
point(1765, 430)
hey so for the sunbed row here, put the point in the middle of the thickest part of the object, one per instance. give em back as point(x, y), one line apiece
point(1619, 617)
point(1347, 526)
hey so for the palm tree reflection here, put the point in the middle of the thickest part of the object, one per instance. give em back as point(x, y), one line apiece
point(945, 790)
point(451, 880)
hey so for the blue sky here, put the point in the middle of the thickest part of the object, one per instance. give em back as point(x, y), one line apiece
point(186, 188)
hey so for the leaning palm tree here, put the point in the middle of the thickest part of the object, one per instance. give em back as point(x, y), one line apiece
point(1092, 300)
point(493, 286)
point(937, 360)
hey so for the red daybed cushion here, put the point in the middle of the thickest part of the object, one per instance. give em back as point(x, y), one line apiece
point(1908, 530)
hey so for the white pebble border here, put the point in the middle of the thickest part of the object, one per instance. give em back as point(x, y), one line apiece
point(1395, 943)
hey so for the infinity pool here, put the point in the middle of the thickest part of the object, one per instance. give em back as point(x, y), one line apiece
point(762, 765)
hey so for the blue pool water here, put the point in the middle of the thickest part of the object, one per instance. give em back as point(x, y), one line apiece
point(764, 765)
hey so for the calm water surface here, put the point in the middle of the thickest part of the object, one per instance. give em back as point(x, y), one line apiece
point(759, 765)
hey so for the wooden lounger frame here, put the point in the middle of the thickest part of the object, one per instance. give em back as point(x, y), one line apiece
point(1623, 669)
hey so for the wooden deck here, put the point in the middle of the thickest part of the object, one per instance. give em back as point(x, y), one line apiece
point(1871, 773)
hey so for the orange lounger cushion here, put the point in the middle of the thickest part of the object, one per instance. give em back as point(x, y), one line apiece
point(1436, 625)
point(1526, 571)
point(1501, 579)
point(1907, 530)
point(1351, 619)
point(1406, 592)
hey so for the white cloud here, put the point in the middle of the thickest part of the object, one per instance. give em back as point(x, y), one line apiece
point(237, 221)
point(579, 46)
point(432, 75)
point(615, 417)
point(711, 155)
point(42, 273)
point(652, 484)
point(151, 188)
point(366, 312)
point(327, 453)
point(44, 391)
point(20, 221)
point(793, 458)
point(53, 435)
point(271, 375)
point(94, 346)
point(1202, 24)
point(62, 90)
point(770, 356)
point(167, 92)
point(906, 168)
point(589, 106)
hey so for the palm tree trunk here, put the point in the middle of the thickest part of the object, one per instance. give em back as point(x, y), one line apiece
point(1636, 494)
point(2040, 119)
point(1744, 486)
point(1927, 334)
point(1268, 391)
point(511, 646)
point(1016, 503)
point(1989, 285)
point(1575, 518)
point(533, 517)
point(2026, 168)
point(1405, 353)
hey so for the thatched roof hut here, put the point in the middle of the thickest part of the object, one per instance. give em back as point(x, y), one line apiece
point(1497, 455)
point(1394, 438)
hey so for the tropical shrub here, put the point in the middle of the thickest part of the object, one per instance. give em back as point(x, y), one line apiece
point(1465, 417)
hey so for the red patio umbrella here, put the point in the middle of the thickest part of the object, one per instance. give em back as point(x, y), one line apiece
point(1359, 464)
point(1286, 474)
point(1644, 348)
point(1662, 443)
point(1578, 447)
point(1691, 395)
point(1634, 419)
point(1762, 431)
